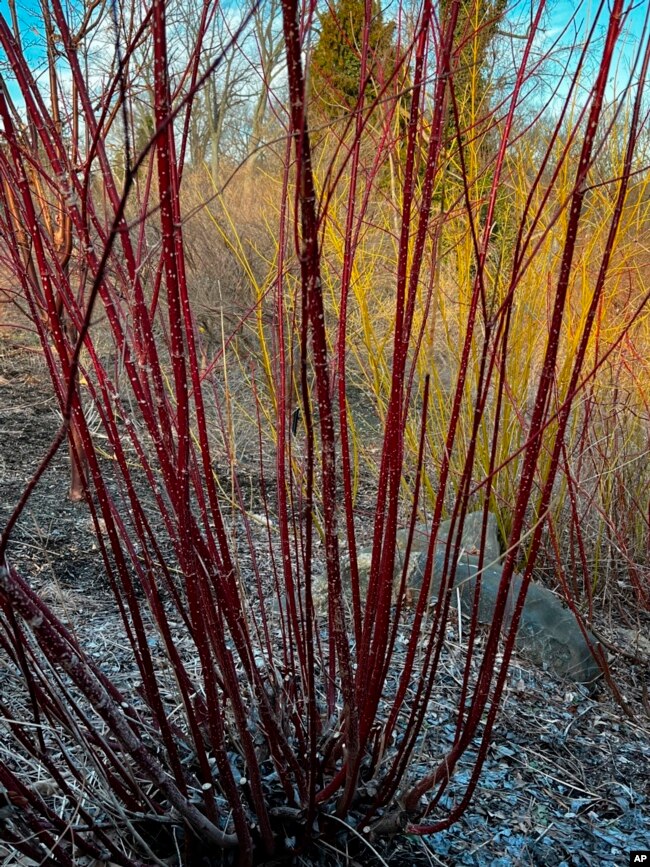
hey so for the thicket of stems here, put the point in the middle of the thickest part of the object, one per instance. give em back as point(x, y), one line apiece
point(95, 225)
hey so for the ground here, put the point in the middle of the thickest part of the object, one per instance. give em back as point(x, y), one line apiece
point(566, 780)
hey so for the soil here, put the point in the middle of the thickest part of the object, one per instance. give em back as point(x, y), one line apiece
point(566, 779)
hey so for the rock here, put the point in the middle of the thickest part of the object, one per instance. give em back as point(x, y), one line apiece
point(549, 635)
point(470, 538)
point(470, 541)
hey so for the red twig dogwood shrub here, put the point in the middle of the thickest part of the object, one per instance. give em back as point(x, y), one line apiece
point(272, 718)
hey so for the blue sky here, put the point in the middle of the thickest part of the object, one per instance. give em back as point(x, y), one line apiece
point(557, 16)
point(584, 16)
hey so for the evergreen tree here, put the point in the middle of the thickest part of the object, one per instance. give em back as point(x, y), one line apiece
point(473, 85)
point(336, 58)
point(476, 29)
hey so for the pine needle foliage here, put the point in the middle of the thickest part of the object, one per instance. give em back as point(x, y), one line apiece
point(274, 694)
point(352, 55)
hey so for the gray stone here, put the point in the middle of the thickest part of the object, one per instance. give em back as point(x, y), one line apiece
point(548, 635)
point(470, 542)
point(470, 537)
